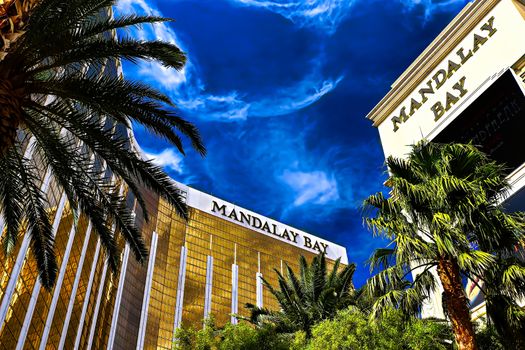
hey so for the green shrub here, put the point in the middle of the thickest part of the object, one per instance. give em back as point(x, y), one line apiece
point(351, 329)
point(232, 337)
point(488, 338)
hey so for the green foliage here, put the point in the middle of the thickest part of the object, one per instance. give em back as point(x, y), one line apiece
point(188, 338)
point(488, 338)
point(314, 295)
point(69, 51)
point(232, 337)
point(185, 338)
point(351, 329)
point(300, 341)
point(245, 337)
point(240, 336)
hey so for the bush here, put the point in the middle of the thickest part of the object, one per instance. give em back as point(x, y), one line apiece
point(188, 338)
point(488, 338)
point(351, 329)
point(232, 337)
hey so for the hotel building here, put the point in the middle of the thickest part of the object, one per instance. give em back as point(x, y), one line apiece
point(467, 85)
point(211, 264)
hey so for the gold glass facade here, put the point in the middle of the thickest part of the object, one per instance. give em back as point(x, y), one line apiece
point(203, 235)
point(86, 304)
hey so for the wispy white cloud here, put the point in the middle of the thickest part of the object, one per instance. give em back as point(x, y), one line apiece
point(433, 6)
point(325, 15)
point(153, 71)
point(314, 187)
point(167, 158)
point(188, 89)
point(295, 97)
point(236, 106)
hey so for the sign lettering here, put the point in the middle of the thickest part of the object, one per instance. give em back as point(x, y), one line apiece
point(270, 228)
point(432, 86)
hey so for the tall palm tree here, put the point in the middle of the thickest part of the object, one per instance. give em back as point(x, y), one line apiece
point(432, 219)
point(54, 103)
point(312, 296)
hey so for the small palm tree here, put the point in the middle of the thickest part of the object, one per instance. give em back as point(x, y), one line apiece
point(312, 296)
point(432, 219)
point(57, 101)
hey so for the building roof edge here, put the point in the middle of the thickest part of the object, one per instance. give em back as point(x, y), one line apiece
point(435, 52)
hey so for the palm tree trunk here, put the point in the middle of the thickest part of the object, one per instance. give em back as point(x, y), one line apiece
point(10, 114)
point(13, 19)
point(456, 303)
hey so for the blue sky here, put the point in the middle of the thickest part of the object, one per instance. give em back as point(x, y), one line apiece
point(279, 90)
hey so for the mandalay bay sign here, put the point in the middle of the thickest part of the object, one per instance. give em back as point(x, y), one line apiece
point(268, 227)
point(432, 86)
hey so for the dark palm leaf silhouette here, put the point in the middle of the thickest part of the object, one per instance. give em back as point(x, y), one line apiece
point(62, 102)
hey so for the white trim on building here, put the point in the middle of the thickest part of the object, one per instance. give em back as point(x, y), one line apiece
point(147, 292)
point(180, 289)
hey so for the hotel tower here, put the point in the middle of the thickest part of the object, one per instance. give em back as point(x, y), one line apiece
point(211, 264)
point(467, 85)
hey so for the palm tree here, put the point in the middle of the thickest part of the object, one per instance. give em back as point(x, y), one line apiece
point(313, 296)
point(432, 219)
point(56, 103)
point(504, 283)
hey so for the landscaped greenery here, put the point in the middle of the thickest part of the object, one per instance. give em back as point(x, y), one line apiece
point(230, 337)
point(56, 96)
point(350, 329)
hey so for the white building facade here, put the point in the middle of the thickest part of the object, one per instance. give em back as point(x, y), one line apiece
point(467, 85)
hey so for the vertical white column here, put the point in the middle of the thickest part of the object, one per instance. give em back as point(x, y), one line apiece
point(180, 288)
point(13, 278)
point(118, 298)
point(94, 317)
point(259, 290)
point(147, 291)
point(58, 287)
point(235, 292)
point(258, 283)
point(88, 294)
point(209, 285)
point(71, 302)
point(36, 288)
